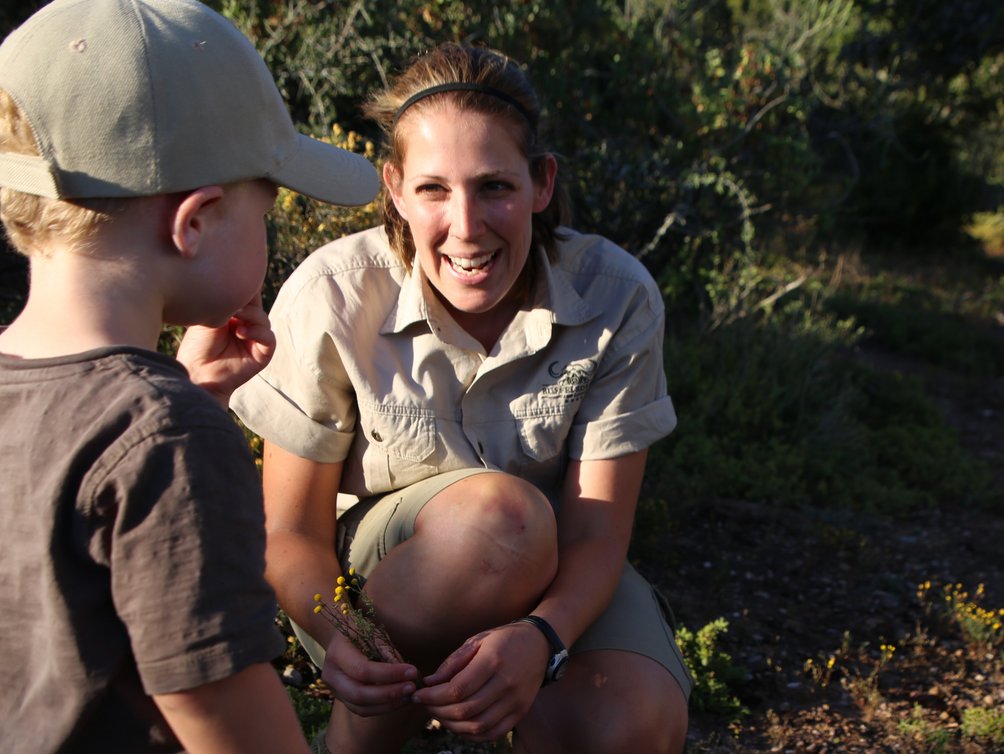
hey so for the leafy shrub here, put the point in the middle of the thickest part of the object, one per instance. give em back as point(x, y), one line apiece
point(984, 723)
point(957, 609)
point(934, 738)
point(915, 106)
point(312, 711)
point(715, 677)
point(772, 409)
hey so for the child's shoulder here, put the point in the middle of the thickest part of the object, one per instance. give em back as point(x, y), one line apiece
point(108, 421)
point(98, 385)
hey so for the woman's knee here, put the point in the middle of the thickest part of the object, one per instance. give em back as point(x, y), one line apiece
point(498, 505)
point(506, 522)
point(638, 708)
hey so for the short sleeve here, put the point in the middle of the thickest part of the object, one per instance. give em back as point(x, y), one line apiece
point(627, 407)
point(303, 400)
point(179, 522)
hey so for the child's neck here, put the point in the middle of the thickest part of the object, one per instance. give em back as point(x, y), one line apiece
point(77, 303)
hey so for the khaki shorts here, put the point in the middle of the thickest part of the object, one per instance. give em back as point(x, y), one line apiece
point(638, 618)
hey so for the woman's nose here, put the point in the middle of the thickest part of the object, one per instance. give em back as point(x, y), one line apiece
point(465, 216)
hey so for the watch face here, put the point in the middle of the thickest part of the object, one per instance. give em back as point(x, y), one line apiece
point(562, 667)
point(557, 666)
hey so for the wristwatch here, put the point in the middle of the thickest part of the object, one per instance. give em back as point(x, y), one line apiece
point(558, 661)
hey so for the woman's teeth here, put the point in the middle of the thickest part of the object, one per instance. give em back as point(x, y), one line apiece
point(473, 263)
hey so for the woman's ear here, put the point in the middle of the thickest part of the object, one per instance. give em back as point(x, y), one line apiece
point(392, 180)
point(544, 177)
point(191, 219)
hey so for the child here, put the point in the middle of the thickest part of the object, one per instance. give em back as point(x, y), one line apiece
point(141, 143)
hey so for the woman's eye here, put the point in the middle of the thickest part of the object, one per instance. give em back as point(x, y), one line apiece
point(428, 188)
point(496, 187)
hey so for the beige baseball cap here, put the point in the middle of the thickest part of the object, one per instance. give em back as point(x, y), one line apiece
point(142, 97)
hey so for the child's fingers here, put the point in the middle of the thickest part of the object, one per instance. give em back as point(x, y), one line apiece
point(252, 314)
point(261, 333)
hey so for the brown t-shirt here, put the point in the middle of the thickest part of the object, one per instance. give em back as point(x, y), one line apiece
point(132, 541)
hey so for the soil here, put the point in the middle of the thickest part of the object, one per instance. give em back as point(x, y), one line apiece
point(801, 584)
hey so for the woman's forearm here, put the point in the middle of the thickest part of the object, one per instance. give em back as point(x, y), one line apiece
point(298, 568)
point(300, 524)
point(588, 573)
point(594, 531)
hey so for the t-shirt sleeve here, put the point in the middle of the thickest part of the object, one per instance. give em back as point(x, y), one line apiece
point(179, 522)
point(303, 400)
point(626, 408)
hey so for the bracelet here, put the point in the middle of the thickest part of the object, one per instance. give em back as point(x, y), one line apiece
point(557, 663)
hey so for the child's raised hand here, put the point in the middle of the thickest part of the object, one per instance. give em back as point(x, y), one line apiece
point(221, 359)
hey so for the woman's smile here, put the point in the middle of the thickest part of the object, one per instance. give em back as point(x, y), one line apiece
point(471, 266)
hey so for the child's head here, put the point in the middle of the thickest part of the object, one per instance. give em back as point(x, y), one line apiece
point(109, 100)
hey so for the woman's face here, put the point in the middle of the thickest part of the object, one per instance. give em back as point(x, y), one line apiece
point(466, 192)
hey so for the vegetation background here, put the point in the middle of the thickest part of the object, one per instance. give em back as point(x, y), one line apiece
point(818, 187)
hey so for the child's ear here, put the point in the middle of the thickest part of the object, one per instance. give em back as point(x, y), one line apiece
point(190, 220)
point(392, 179)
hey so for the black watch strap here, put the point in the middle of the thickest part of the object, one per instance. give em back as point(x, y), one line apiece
point(558, 661)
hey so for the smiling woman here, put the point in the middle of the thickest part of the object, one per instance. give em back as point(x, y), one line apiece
point(465, 190)
point(477, 386)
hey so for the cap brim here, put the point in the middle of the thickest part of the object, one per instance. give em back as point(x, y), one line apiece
point(328, 173)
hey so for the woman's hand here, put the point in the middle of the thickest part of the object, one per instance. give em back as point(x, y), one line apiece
point(365, 686)
point(482, 690)
point(221, 359)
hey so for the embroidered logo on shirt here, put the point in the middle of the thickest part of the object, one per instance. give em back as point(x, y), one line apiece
point(572, 380)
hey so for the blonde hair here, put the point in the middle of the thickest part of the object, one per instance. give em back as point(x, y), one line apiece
point(502, 90)
point(33, 222)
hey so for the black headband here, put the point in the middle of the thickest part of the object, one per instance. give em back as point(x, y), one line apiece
point(461, 86)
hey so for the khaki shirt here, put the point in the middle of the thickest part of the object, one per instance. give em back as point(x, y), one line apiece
point(372, 370)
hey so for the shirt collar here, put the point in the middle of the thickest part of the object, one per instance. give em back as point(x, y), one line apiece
point(554, 299)
point(556, 294)
point(411, 306)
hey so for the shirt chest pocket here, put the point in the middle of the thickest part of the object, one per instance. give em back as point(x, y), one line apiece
point(542, 431)
point(400, 444)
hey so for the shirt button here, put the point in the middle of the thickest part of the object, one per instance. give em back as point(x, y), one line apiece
point(376, 436)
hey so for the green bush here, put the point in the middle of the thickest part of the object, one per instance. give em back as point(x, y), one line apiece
point(773, 409)
point(917, 110)
point(312, 711)
point(715, 676)
point(985, 724)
